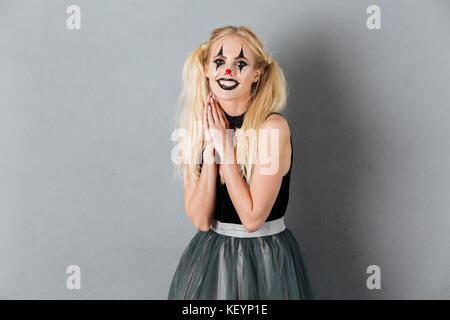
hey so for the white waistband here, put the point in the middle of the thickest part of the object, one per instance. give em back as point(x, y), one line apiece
point(238, 230)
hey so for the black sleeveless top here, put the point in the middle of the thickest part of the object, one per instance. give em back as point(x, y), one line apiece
point(224, 208)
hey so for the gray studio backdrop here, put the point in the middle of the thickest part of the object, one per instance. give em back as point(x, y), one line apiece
point(86, 116)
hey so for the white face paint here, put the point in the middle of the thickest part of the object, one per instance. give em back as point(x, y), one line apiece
point(232, 54)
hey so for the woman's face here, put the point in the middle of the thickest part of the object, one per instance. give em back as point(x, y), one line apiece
point(230, 69)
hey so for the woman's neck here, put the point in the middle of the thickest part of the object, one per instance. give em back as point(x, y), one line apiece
point(235, 107)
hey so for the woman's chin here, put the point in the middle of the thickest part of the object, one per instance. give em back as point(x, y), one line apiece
point(227, 95)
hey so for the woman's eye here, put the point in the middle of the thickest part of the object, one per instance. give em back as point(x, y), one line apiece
point(241, 64)
point(219, 62)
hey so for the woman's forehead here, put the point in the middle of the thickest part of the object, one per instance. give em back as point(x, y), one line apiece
point(230, 46)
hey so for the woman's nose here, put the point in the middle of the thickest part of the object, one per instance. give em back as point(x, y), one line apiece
point(228, 71)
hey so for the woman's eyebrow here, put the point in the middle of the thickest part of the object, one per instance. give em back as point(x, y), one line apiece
point(238, 57)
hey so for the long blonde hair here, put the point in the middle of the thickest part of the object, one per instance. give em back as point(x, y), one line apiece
point(268, 95)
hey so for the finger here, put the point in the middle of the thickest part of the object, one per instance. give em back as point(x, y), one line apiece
point(206, 108)
point(219, 113)
point(223, 119)
point(210, 117)
point(207, 100)
point(212, 127)
point(206, 122)
point(211, 121)
point(214, 112)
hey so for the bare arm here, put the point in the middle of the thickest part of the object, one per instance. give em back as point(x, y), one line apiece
point(253, 203)
point(199, 199)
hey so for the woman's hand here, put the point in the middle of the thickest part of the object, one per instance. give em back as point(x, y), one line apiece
point(218, 124)
point(208, 152)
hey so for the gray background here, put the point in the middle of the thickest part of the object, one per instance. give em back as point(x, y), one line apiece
point(86, 118)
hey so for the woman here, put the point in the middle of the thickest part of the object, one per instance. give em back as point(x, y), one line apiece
point(236, 168)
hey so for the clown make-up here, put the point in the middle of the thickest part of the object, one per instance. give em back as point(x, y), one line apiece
point(230, 83)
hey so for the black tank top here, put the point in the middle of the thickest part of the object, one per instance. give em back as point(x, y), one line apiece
point(224, 208)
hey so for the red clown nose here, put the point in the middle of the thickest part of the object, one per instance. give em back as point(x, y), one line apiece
point(228, 71)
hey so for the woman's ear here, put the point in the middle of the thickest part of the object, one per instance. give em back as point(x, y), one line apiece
point(257, 76)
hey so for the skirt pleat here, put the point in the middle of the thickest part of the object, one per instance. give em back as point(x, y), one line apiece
point(220, 267)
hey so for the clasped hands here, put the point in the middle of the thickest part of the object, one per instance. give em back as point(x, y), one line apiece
point(215, 125)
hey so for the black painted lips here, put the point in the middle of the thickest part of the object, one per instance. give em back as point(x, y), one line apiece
point(226, 88)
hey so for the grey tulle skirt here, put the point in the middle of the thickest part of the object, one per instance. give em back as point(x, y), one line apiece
point(214, 266)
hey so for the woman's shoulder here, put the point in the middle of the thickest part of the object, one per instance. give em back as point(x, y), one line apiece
point(276, 120)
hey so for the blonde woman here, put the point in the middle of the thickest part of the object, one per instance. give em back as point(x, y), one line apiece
point(236, 154)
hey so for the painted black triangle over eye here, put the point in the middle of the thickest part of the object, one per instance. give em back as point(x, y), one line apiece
point(220, 53)
point(241, 54)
